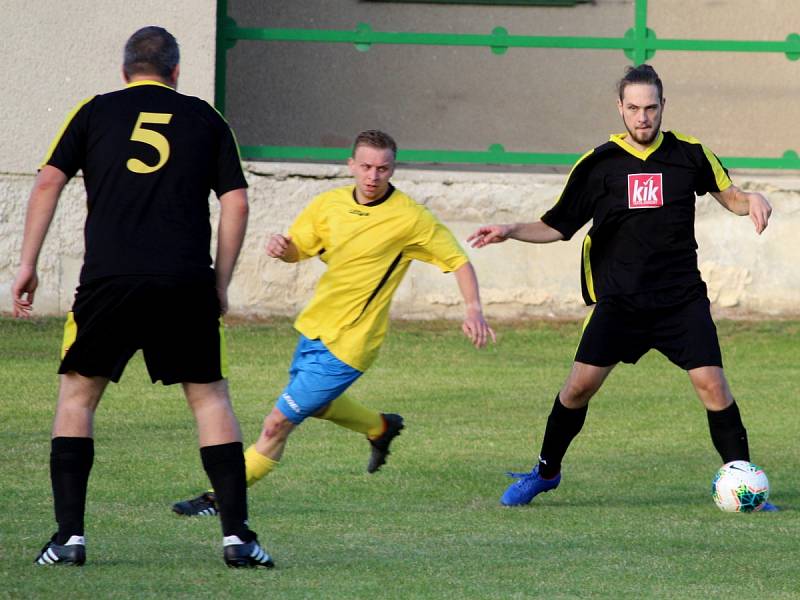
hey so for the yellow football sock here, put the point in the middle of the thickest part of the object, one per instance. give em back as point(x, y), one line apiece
point(256, 465)
point(348, 413)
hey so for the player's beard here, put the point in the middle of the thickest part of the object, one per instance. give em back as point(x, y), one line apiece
point(642, 139)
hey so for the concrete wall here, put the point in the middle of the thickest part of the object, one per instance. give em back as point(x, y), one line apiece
point(56, 53)
point(748, 275)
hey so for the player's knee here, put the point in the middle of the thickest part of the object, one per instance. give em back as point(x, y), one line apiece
point(714, 388)
point(276, 426)
point(576, 394)
point(208, 396)
point(77, 392)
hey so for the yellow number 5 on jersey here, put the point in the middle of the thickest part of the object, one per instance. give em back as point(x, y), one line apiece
point(151, 138)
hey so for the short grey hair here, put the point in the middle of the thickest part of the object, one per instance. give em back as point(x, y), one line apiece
point(151, 51)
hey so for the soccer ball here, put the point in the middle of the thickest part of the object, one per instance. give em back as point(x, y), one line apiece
point(740, 486)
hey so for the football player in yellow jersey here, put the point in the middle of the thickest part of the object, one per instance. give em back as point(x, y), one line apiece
point(367, 234)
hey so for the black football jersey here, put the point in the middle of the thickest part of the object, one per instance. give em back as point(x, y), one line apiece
point(642, 207)
point(150, 158)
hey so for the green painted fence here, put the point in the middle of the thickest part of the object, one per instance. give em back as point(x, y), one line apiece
point(639, 44)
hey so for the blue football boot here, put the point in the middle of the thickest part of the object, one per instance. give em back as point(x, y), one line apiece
point(527, 486)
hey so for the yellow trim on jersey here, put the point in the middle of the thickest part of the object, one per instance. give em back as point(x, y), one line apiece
point(619, 140)
point(70, 333)
point(583, 327)
point(587, 267)
point(223, 350)
point(722, 179)
point(61, 131)
point(148, 82)
point(233, 133)
point(587, 318)
point(577, 162)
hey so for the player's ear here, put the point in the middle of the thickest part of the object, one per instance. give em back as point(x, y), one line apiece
point(125, 77)
point(174, 75)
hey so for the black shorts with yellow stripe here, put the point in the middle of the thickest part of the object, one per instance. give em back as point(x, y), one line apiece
point(685, 334)
point(176, 323)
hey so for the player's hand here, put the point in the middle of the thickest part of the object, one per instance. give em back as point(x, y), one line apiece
point(23, 290)
point(477, 329)
point(489, 234)
point(760, 211)
point(278, 245)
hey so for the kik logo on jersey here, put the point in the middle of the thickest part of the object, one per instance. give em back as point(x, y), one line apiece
point(645, 190)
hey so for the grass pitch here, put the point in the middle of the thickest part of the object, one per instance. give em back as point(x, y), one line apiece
point(633, 517)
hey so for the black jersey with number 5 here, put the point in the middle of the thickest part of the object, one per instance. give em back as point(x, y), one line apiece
point(641, 247)
point(150, 158)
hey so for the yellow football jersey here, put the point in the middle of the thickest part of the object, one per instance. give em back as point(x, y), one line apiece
point(367, 249)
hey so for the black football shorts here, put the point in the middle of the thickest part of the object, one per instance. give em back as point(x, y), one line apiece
point(685, 334)
point(176, 324)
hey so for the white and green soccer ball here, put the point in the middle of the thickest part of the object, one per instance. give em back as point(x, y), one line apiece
point(740, 486)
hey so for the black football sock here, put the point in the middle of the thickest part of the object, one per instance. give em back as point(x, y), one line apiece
point(728, 434)
point(224, 465)
point(563, 425)
point(71, 461)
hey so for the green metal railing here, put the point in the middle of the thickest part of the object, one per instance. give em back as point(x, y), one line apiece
point(638, 43)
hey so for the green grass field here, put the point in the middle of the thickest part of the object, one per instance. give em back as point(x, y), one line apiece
point(633, 517)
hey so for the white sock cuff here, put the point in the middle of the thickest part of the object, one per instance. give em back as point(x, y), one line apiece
point(231, 540)
point(76, 540)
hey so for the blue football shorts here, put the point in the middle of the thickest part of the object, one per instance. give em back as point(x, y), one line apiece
point(316, 378)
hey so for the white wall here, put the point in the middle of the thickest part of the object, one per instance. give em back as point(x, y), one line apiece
point(748, 275)
point(54, 54)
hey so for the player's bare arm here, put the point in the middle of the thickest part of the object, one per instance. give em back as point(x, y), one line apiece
point(41, 208)
point(474, 325)
point(234, 211)
point(752, 204)
point(535, 233)
point(282, 247)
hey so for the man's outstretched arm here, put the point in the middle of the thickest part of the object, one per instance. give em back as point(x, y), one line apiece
point(536, 233)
